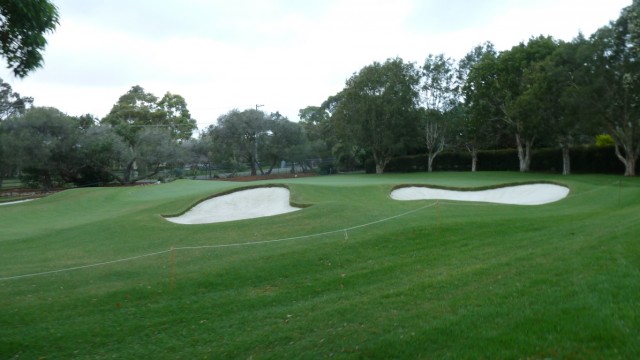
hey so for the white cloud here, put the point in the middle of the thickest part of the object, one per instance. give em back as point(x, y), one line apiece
point(284, 54)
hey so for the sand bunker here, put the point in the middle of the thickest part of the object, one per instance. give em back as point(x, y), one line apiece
point(535, 194)
point(245, 204)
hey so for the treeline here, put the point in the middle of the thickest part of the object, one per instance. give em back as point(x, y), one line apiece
point(542, 93)
point(142, 137)
point(45, 147)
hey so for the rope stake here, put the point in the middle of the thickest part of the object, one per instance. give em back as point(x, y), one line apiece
point(173, 267)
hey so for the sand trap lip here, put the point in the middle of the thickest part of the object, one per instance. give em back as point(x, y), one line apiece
point(239, 205)
point(531, 194)
point(15, 202)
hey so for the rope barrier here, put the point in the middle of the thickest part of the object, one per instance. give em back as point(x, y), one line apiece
point(85, 266)
point(172, 249)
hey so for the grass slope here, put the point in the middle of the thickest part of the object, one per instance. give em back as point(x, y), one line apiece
point(452, 280)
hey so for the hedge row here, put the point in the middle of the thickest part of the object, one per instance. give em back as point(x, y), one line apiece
point(584, 159)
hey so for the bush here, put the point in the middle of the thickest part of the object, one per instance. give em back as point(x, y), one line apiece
point(604, 140)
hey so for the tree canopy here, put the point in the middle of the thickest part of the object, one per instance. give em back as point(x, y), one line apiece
point(141, 119)
point(11, 103)
point(542, 92)
point(23, 26)
point(378, 109)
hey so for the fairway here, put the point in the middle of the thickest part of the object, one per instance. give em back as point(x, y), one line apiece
point(99, 273)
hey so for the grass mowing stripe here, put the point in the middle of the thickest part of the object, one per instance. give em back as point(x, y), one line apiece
point(345, 230)
point(491, 281)
point(85, 266)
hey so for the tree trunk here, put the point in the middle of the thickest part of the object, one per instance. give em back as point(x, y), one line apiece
point(128, 172)
point(47, 182)
point(629, 159)
point(566, 160)
point(381, 162)
point(474, 156)
point(524, 153)
point(431, 156)
point(254, 170)
point(273, 164)
point(474, 160)
point(432, 153)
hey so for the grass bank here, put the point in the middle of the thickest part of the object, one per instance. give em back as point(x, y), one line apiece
point(417, 279)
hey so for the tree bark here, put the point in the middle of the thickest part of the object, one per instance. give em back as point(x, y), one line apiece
point(524, 152)
point(273, 164)
point(128, 172)
point(474, 156)
point(566, 160)
point(474, 160)
point(254, 170)
point(432, 154)
point(628, 159)
point(381, 163)
point(434, 141)
point(431, 157)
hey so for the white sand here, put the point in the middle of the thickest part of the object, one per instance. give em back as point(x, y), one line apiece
point(536, 194)
point(245, 204)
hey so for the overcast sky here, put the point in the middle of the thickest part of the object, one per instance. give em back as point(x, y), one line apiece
point(283, 54)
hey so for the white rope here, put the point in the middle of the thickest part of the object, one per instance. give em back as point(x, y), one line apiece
point(215, 246)
point(85, 266)
point(302, 236)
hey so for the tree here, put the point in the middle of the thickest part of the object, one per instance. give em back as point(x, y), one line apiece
point(316, 123)
point(238, 132)
point(476, 114)
point(439, 95)
point(321, 134)
point(48, 147)
point(203, 151)
point(11, 103)
point(43, 143)
point(100, 148)
point(23, 26)
point(558, 90)
point(155, 149)
point(175, 115)
point(519, 112)
point(378, 110)
point(284, 140)
point(135, 116)
point(616, 65)
point(6, 163)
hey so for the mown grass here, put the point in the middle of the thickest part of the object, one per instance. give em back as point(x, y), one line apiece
point(448, 280)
